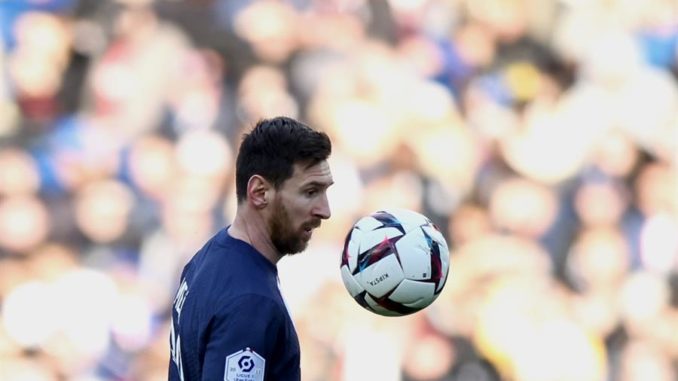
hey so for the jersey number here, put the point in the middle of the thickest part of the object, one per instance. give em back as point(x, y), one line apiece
point(175, 340)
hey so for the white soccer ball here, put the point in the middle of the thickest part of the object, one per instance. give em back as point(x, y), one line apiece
point(395, 262)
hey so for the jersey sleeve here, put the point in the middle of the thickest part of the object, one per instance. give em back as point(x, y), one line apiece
point(242, 338)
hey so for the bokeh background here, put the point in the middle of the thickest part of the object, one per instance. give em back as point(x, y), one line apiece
point(541, 136)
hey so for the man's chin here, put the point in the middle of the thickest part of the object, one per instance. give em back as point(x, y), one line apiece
point(299, 248)
point(292, 248)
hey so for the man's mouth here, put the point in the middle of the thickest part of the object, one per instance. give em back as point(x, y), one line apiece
point(308, 228)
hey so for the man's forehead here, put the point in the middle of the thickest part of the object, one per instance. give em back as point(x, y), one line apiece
point(318, 173)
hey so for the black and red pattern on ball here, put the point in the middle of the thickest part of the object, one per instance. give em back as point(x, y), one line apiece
point(388, 221)
point(391, 305)
point(345, 255)
point(386, 303)
point(436, 262)
point(377, 253)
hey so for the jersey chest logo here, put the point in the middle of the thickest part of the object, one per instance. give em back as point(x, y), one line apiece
point(244, 365)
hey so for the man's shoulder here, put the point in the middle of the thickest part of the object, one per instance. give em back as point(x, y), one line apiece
point(260, 301)
point(225, 268)
point(218, 253)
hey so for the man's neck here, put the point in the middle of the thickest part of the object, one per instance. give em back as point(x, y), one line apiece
point(250, 227)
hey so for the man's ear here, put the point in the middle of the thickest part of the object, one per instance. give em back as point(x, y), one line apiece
point(258, 191)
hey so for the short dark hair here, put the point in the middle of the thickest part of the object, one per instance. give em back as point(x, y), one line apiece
point(272, 148)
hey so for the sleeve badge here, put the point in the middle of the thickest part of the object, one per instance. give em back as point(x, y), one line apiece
point(244, 365)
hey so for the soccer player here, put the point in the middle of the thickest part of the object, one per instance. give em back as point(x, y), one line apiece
point(229, 320)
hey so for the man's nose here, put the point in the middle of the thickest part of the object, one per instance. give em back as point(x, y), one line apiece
point(322, 209)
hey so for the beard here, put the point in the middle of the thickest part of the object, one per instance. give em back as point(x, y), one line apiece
point(285, 239)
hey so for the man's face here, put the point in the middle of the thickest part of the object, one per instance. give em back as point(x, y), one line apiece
point(299, 206)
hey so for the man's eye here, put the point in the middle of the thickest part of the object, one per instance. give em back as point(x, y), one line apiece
point(311, 192)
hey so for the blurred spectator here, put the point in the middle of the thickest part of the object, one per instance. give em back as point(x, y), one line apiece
point(18, 172)
point(24, 223)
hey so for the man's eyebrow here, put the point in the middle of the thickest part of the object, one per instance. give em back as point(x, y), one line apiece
point(319, 184)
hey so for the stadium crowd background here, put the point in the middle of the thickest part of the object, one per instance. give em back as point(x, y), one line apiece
point(541, 136)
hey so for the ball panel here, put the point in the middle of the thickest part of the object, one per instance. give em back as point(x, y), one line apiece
point(438, 273)
point(373, 238)
point(366, 301)
point(351, 249)
point(388, 220)
point(441, 283)
point(445, 267)
point(375, 305)
point(368, 223)
point(376, 253)
point(409, 219)
point(435, 234)
point(413, 293)
point(421, 303)
point(354, 288)
point(439, 257)
point(415, 255)
point(381, 277)
point(385, 307)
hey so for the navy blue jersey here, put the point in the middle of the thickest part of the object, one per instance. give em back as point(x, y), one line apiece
point(229, 320)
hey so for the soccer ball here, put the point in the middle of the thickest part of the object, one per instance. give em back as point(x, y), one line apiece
point(395, 262)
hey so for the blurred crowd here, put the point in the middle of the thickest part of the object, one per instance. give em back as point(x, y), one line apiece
point(541, 136)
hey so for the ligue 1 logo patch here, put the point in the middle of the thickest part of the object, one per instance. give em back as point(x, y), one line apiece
point(244, 365)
